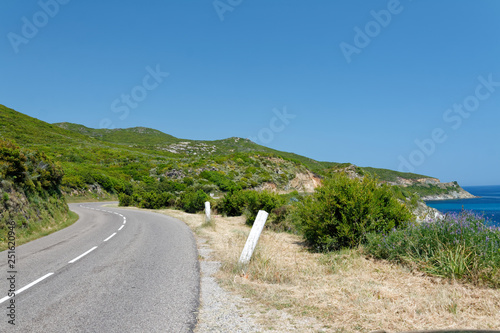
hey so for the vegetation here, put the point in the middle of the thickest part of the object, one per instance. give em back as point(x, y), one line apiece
point(430, 189)
point(30, 170)
point(460, 246)
point(102, 163)
point(340, 291)
point(342, 211)
point(30, 198)
point(391, 175)
point(249, 203)
point(193, 201)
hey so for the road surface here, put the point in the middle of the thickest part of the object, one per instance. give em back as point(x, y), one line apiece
point(114, 270)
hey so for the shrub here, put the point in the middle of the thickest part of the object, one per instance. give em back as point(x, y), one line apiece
point(166, 185)
point(232, 204)
point(149, 200)
point(342, 211)
point(249, 202)
point(280, 219)
point(263, 200)
point(125, 200)
point(459, 246)
point(192, 201)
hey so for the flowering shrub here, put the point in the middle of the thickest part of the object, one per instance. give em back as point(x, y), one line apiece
point(460, 246)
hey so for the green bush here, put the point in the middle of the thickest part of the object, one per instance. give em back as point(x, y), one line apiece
point(192, 202)
point(342, 211)
point(249, 202)
point(279, 219)
point(460, 246)
point(125, 200)
point(149, 200)
point(166, 185)
point(232, 204)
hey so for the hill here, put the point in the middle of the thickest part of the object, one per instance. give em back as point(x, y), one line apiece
point(100, 162)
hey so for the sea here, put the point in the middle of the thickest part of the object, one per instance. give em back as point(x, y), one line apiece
point(487, 203)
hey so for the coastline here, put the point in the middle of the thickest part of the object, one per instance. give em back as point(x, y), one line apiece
point(459, 194)
point(486, 201)
point(426, 213)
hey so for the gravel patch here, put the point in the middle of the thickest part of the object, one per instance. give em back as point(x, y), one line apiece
point(220, 311)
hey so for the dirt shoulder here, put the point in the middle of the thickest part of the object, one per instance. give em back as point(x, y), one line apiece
point(286, 288)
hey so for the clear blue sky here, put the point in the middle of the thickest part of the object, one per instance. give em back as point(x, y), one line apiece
point(361, 81)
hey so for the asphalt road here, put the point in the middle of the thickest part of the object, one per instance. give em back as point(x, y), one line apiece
point(139, 273)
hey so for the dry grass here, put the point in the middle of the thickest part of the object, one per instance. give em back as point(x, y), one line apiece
point(343, 291)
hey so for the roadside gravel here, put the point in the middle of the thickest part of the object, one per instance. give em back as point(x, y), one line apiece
point(220, 311)
point(223, 311)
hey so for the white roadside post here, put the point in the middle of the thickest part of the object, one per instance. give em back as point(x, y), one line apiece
point(207, 211)
point(253, 238)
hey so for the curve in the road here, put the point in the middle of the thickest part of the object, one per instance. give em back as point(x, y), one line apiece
point(150, 275)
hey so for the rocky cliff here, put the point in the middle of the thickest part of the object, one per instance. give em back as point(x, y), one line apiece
point(433, 189)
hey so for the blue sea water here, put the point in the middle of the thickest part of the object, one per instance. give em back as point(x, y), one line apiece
point(488, 203)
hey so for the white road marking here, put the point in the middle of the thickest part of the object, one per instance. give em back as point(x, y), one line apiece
point(110, 237)
point(26, 287)
point(121, 228)
point(82, 255)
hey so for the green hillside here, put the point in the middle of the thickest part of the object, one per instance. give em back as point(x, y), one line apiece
point(31, 203)
point(391, 175)
point(146, 138)
point(103, 162)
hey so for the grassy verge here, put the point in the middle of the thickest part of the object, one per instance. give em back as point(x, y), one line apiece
point(41, 229)
point(342, 291)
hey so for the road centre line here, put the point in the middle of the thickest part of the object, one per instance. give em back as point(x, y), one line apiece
point(70, 262)
point(82, 255)
point(110, 237)
point(26, 287)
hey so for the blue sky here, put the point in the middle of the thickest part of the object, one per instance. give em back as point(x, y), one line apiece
point(404, 85)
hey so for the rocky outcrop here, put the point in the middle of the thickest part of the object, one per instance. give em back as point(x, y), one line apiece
point(443, 191)
point(351, 171)
point(424, 213)
point(175, 174)
point(450, 196)
point(456, 192)
point(268, 186)
point(400, 181)
point(304, 182)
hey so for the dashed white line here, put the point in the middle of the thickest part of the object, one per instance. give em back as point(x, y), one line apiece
point(26, 287)
point(70, 262)
point(110, 237)
point(82, 255)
